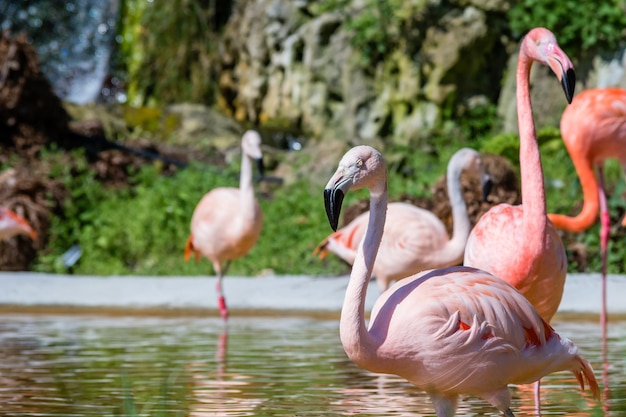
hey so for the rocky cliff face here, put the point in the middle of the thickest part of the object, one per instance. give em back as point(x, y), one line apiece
point(289, 61)
point(293, 63)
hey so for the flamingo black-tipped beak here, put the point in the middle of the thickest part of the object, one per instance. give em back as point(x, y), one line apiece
point(568, 81)
point(487, 186)
point(260, 167)
point(333, 197)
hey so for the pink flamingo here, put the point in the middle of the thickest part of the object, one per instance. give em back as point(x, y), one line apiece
point(414, 238)
point(518, 243)
point(594, 129)
point(449, 331)
point(227, 221)
point(12, 224)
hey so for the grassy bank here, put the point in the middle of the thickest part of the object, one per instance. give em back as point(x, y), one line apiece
point(142, 229)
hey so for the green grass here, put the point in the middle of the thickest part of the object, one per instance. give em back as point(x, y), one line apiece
point(142, 229)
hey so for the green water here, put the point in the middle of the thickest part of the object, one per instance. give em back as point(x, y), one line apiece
point(89, 365)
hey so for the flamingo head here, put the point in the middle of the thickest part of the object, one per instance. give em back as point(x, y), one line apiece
point(12, 224)
point(540, 44)
point(469, 159)
point(251, 147)
point(361, 166)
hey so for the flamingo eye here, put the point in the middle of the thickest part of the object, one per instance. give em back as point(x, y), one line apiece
point(359, 163)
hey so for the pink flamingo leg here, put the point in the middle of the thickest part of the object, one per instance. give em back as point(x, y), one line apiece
point(221, 301)
point(538, 397)
point(605, 224)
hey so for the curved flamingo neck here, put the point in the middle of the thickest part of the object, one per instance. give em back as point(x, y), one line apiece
point(591, 205)
point(246, 190)
point(461, 226)
point(533, 193)
point(356, 340)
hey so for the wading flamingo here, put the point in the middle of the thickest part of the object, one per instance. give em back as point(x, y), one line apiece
point(593, 128)
point(12, 224)
point(448, 331)
point(227, 221)
point(518, 243)
point(414, 238)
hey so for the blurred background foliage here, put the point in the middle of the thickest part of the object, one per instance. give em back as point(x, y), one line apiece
point(584, 27)
point(166, 48)
point(142, 230)
point(165, 56)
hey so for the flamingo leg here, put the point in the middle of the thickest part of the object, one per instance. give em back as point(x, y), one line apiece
point(538, 397)
point(445, 405)
point(604, 241)
point(221, 300)
point(605, 224)
point(225, 269)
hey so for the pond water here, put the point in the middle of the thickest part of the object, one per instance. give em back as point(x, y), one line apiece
point(117, 365)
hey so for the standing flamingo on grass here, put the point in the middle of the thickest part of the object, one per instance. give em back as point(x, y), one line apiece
point(449, 331)
point(593, 128)
point(414, 238)
point(227, 221)
point(12, 224)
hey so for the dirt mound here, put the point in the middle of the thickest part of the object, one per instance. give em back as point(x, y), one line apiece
point(31, 115)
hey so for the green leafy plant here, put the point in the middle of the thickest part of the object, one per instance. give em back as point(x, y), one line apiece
point(165, 49)
point(373, 26)
point(581, 26)
point(142, 229)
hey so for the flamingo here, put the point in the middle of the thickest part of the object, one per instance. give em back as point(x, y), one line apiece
point(414, 239)
point(450, 331)
point(12, 224)
point(593, 128)
point(227, 221)
point(518, 243)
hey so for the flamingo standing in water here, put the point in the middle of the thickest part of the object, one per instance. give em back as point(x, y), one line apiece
point(227, 221)
point(449, 331)
point(414, 238)
point(593, 128)
point(12, 224)
point(518, 243)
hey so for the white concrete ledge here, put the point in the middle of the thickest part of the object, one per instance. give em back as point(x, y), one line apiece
point(299, 293)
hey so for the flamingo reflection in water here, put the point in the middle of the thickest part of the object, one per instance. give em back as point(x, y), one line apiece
point(220, 393)
point(389, 395)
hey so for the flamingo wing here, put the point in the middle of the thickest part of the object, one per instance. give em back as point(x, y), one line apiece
point(12, 224)
point(594, 126)
point(412, 241)
point(494, 246)
point(467, 331)
point(345, 241)
point(217, 229)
